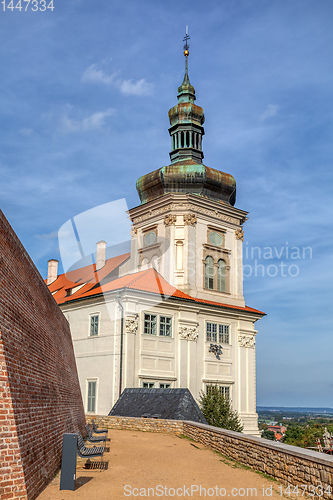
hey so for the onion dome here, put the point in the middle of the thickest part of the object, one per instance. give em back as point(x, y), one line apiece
point(186, 173)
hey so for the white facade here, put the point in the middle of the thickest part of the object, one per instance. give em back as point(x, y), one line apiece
point(182, 359)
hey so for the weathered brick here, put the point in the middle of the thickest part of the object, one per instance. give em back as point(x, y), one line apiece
point(39, 389)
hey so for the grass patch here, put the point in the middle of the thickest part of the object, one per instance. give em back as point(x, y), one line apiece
point(182, 436)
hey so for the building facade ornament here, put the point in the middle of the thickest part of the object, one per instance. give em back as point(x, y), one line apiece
point(190, 219)
point(216, 349)
point(170, 220)
point(131, 325)
point(246, 340)
point(188, 333)
point(215, 214)
point(239, 234)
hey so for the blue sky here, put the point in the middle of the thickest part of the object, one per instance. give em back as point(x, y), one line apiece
point(85, 92)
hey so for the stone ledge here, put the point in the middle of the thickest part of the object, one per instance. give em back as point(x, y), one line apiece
point(277, 447)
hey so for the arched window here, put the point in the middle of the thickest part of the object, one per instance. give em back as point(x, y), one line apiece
point(209, 273)
point(221, 276)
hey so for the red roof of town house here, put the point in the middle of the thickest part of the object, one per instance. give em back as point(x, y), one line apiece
point(277, 428)
point(86, 282)
point(278, 436)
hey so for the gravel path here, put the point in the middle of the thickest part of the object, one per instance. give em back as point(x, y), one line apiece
point(149, 465)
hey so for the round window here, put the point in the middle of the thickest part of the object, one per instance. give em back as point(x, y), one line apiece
point(216, 239)
point(150, 238)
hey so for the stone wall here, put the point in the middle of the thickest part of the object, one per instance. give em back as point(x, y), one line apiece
point(40, 397)
point(138, 424)
point(288, 464)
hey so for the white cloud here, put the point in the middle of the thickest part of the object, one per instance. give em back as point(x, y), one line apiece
point(92, 122)
point(270, 111)
point(47, 236)
point(140, 87)
point(129, 87)
point(93, 74)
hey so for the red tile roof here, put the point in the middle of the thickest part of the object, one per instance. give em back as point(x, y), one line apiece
point(147, 281)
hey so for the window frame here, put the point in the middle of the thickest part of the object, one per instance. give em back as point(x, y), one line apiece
point(88, 398)
point(221, 278)
point(209, 273)
point(150, 323)
point(158, 325)
point(91, 316)
point(224, 387)
point(219, 336)
point(150, 385)
point(166, 335)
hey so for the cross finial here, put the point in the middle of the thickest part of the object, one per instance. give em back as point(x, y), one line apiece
point(186, 45)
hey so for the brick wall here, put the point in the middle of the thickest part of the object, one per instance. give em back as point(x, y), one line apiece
point(40, 397)
point(288, 464)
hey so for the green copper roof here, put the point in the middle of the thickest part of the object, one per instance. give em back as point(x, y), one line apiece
point(186, 177)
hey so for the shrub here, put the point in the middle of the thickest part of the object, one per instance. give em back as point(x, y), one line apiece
point(217, 410)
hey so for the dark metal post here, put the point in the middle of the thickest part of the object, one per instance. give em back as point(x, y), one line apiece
point(68, 462)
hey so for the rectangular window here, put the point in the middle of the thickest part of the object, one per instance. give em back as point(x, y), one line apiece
point(91, 396)
point(148, 385)
point(211, 332)
point(150, 324)
point(223, 333)
point(165, 386)
point(94, 320)
point(225, 391)
point(165, 326)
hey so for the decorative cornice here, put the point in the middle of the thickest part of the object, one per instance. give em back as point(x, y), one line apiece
point(246, 340)
point(188, 332)
point(181, 202)
point(190, 219)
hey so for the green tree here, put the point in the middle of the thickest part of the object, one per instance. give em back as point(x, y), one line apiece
point(217, 410)
point(268, 434)
point(295, 435)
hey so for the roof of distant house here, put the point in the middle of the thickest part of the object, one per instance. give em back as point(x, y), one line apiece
point(86, 282)
point(174, 404)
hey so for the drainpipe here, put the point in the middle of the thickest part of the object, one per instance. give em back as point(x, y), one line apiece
point(118, 297)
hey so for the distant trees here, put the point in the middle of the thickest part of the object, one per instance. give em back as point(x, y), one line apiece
point(217, 410)
point(305, 435)
point(268, 434)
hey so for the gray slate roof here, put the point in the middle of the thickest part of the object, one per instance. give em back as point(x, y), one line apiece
point(174, 404)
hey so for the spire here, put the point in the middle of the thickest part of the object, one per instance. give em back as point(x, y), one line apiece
point(186, 92)
point(186, 54)
point(186, 120)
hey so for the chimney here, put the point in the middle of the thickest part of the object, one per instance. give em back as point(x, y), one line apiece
point(52, 271)
point(100, 255)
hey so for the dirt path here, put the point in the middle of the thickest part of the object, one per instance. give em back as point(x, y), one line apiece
point(149, 465)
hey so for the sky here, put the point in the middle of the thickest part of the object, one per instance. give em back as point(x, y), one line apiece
point(84, 93)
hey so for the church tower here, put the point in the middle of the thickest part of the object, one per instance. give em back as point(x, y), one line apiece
point(187, 227)
point(130, 328)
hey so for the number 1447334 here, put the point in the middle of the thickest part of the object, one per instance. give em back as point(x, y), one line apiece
point(25, 5)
